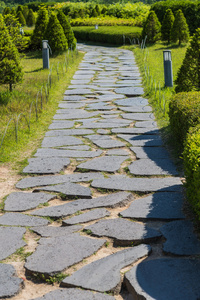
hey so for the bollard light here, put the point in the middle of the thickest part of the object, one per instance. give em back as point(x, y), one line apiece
point(96, 26)
point(45, 54)
point(167, 58)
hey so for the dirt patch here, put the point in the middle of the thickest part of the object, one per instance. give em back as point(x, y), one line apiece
point(8, 179)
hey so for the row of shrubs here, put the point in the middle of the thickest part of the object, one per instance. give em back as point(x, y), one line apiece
point(110, 35)
point(190, 9)
point(107, 21)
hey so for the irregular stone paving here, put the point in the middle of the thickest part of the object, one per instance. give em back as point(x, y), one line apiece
point(103, 124)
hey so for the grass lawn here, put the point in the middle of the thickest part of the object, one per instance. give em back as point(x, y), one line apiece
point(22, 104)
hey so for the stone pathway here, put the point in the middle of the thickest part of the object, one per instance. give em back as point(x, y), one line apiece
point(102, 197)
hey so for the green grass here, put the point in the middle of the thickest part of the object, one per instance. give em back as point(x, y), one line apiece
point(19, 102)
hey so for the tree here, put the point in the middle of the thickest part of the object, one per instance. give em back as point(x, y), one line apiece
point(180, 30)
point(97, 8)
point(55, 35)
point(6, 11)
point(25, 11)
point(152, 28)
point(21, 18)
point(62, 18)
point(13, 25)
point(188, 77)
point(11, 70)
point(40, 27)
point(167, 25)
point(13, 11)
point(30, 18)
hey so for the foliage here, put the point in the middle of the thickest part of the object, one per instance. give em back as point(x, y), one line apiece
point(184, 113)
point(167, 25)
point(188, 78)
point(6, 11)
point(191, 156)
point(11, 70)
point(190, 9)
point(180, 30)
point(40, 27)
point(67, 29)
point(55, 35)
point(107, 34)
point(106, 21)
point(152, 28)
point(21, 18)
point(30, 18)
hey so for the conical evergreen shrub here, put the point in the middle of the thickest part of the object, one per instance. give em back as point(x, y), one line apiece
point(11, 70)
point(6, 11)
point(188, 77)
point(21, 18)
point(30, 18)
point(180, 30)
point(62, 18)
point(55, 35)
point(152, 28)
point(40, 27)
point(167, 25)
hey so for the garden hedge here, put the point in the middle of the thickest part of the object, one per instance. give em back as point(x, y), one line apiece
point(106, 34)
point(191, 161)
point(184, 112)
point(190, 9)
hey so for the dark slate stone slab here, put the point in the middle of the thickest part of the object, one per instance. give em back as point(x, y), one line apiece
point(67, 153)
point(142, 140)
point(82, 86)
point(156, 166)
point(165, 278)
point(146, 124)
point(69, 105)
point(69, 132)
point(115, 120)
point(17, 219)
point(119, 199)
point(56, 254)
point(83, 147)
point(124, 233)
point(99, 106)
point(106, 271)
point(133, 82)
point(10, 241)
point(181, 239)
point(78, 92)
point(49, 180)
point(21, 201)
point(130, 91)
point(10, 284)
point(161, 206)
point(46, 165)
point(136, 101)
point(102, 131)
point(138, 116)
point(117, 152)
point(78, 114)
point(74, 98)
point(74, 294)
point(85, 72)
point(136, 109)
point(110, 97)
point(88, 216)
point(102, 125)
point(60, 141)
point(68, 189)
point(80, 81)
point(134, 130)
point(52, 231)
point(105, 163)
point(61, 124)
point(120, 182)
point(105, 141)
point(150, 152)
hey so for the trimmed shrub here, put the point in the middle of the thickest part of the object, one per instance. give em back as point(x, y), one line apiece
point(191, 162)
point(167, 25)
point(55, 35)
point(180, 30)
point(67, 29)
point(11, 70)
point(40, 27)
point(6, 11)
point(184, 113)
point(30, 18)
point(188, 77)
point(21, 18)
point(152, 28)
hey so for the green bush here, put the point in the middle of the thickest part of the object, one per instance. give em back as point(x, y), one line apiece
point(106, 34)
point(152, 28)
point(190, 9)
point(30, 18)
point(184, 113)
point(188, 77)
point(40, 27)
point(191, 162)
point(180, 30)
point(67, 29)
point(167, 25)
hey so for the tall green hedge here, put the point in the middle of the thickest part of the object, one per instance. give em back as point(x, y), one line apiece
point(190, 9)
point(191, 161)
